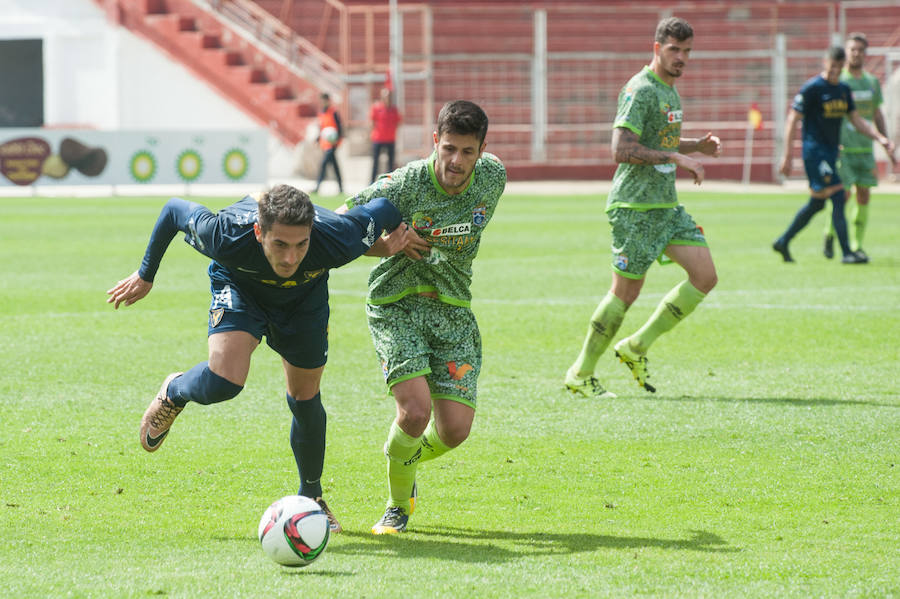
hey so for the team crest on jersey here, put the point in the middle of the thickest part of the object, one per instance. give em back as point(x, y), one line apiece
point(421, 221)
point(674, 116)
point(215, 316)
point(479, 215)
point(621, 262)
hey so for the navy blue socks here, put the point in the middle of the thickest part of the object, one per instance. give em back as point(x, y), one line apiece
point(201, 385)
point(308, 442)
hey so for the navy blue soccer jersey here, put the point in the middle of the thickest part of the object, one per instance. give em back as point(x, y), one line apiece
point(823, 106)
point(228, 238)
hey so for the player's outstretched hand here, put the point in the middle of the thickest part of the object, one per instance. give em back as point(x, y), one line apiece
point(128, 291)
point(710, 145)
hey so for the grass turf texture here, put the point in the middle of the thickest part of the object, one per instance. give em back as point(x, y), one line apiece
point(765, 465)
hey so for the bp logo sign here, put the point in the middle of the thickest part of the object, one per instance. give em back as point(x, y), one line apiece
point(235, 164)
point(189, 165)
point(143, 166)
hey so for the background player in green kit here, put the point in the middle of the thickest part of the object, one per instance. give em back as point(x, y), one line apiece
point(857, 162)
point(418, 303)
point(644, 212)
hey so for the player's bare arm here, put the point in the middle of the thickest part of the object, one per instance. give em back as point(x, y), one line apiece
point(790, 129)
point(626, 147)
point(864, 127)
point(709, 144)
point(128, 291)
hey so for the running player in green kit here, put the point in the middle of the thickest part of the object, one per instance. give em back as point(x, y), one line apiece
point(418, 303)
point(647, 220)
point(857, 162)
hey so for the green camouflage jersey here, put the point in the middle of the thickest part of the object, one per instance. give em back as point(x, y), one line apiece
point(452, 224)
point(867, 97)
point(652, 110)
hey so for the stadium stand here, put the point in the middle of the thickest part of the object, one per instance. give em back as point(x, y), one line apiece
point(554, 126)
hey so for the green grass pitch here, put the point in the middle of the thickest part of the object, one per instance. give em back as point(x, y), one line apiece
point(766, 465)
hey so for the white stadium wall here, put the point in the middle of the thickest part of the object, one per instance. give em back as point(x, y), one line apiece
point(99, 76)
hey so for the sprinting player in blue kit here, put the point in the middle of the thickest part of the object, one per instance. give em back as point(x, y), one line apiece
point(268, 276)
point(822, 104)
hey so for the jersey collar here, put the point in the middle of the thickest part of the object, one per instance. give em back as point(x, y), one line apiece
point(655, 76)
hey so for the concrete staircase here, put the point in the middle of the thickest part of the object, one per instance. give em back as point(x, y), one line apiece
point(257, 80)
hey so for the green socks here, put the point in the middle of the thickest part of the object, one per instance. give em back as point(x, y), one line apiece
point(676, 305)
point(859, 218)
point(432, 446)
point(604, 324)
point(403, 453)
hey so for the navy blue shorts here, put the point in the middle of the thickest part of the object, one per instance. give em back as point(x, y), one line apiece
point(821, 167)
point(299, 335)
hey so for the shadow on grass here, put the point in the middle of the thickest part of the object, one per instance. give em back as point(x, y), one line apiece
point(494, 546)
point(804, 402)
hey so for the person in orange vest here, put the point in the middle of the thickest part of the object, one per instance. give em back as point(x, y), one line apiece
point(330, 135)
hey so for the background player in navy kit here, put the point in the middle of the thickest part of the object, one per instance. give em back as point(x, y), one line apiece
point(268, 276)
point(822, 104)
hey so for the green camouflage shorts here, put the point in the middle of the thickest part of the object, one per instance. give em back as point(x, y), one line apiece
point(857, 169)
point(421, 336)
point(641, 236)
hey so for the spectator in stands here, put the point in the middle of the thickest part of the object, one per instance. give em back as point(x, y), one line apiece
point(384, 118)
point(330, 135)
point(856, 165)
point(822, 104)
point(647, 220)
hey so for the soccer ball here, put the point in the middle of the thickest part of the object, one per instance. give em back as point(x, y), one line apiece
point(329, 134)
point(294, 531)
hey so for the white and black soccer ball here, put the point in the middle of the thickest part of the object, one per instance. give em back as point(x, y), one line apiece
point(294, 531)
point(329, 134)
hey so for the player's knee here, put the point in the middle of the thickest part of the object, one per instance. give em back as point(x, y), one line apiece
point(706, 282)
point(413, 420)
point(454, 434)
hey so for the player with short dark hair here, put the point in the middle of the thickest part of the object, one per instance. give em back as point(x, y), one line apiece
point(418, 304)
point(822, 104)
point(856, 164)
point(268, 277)
point(647, 220)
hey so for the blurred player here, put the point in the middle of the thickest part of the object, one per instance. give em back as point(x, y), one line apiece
point(647, 220)
point(856, 164)
point(418, 305)
point(822, 104)
point(268, 276)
